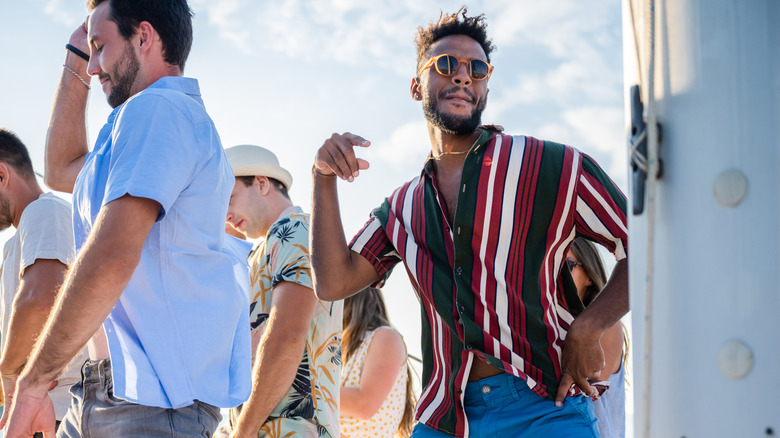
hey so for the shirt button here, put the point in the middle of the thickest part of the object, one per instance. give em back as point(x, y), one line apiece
point(469, 347)
point(460, 391)
point(486, 389)
point(459, 270)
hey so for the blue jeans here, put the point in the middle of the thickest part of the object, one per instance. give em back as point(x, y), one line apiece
point(94, 412)
point(504, 406)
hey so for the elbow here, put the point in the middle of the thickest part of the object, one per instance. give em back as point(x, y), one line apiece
point(329, 290)
point(364, 411)
point(55, 182)
point(364, 414)
point(33, 303)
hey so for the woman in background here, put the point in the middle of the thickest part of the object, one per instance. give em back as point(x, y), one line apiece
point(377, 399)
point(588, 274)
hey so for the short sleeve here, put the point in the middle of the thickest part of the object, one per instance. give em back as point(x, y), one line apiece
point(372, 243)
point(288, 248)
point(601, 209)
point(46, 232)
point(153, 152)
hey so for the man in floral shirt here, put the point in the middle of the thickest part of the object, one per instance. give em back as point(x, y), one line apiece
point(296, 338)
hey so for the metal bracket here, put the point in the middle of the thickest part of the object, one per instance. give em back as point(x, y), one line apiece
point(638, 150)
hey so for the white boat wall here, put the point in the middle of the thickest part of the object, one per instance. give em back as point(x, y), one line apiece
point(704, 247)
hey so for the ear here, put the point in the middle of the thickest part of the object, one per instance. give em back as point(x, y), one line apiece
point(415, 89)
point(146, 36)
point(5, 173)
point(263, 184)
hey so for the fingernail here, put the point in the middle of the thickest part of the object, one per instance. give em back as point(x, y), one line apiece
point(350, 179)
point(558, 404)
point(355, 174)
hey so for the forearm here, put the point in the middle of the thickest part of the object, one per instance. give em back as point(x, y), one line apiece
point(334, 264)
point(26, 324)
point(66, 139)
point(87, 297)
point(31, 307)
point(273, 375)
point(97, 278)
point(610, 305)
point(353, 404)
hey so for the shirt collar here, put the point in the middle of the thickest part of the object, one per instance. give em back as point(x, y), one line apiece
point(188, 86)
point(476, 148)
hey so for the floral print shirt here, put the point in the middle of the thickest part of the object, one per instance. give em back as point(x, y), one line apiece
point(312, 403)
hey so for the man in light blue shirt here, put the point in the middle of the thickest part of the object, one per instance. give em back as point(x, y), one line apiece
point(149, 206)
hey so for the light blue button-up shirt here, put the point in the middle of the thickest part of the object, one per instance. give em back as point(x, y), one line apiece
point(180, 330)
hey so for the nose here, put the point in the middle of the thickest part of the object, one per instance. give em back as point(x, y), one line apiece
point(93, 66)
point(229, 217)
point(461, 76)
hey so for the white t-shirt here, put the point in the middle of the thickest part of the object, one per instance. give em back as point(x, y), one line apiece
point(45, 232)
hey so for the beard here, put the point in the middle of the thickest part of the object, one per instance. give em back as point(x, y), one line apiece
point(451, 124)
point(5, 214)
point(123, 78)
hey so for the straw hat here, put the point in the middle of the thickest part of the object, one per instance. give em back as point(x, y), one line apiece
point(250, 160)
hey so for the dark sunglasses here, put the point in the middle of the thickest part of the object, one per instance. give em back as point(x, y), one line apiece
point(447, 65)
point(571, 264)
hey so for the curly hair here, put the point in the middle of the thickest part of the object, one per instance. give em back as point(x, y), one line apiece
point(457, 23)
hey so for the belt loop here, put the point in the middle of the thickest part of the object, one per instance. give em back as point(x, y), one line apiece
point(515, 383)
point(102, 371)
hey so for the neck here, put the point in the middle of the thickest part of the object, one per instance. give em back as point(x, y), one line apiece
point(276, 209)
point(148, 77)
point(444, 144)
point(28, 195)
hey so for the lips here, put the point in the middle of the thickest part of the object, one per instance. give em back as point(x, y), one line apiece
point(458, 96)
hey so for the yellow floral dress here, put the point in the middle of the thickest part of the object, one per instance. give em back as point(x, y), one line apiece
point(311, 406)
point(387, 419)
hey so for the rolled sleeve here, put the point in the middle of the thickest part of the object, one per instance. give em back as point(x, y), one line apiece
point(601, 209)
point(372, 243)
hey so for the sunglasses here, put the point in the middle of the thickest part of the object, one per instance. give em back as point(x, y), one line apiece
point(447, 65)
point(572, 264)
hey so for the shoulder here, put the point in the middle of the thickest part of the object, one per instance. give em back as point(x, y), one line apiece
point(290, 227)
point(47, 208)
point(388, 340)
point(400, 196)
point(159, 102)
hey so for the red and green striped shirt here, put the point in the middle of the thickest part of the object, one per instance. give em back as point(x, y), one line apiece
point(492, 285)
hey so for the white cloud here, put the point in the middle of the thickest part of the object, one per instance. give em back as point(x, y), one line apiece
point(405, 149)
point(66, 14)
point(560, 59)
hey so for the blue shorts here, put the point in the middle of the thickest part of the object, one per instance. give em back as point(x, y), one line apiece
point(504, 406)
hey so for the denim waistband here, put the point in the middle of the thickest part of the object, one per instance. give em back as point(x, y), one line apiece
point(96, 370)
point(494, 390)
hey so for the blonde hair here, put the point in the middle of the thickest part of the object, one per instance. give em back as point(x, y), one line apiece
point(363, 312)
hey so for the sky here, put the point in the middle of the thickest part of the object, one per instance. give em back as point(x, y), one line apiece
point(287, 74)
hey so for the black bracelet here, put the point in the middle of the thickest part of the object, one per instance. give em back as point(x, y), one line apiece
point(78, 52)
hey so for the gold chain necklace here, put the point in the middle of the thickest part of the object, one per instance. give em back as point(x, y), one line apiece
point(433, 157)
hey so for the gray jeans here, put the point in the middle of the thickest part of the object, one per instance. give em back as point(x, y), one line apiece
point(94, 412)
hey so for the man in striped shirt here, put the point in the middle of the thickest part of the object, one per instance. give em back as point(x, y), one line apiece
point(483, 232)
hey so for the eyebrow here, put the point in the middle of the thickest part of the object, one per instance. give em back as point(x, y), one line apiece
point(91, 40)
